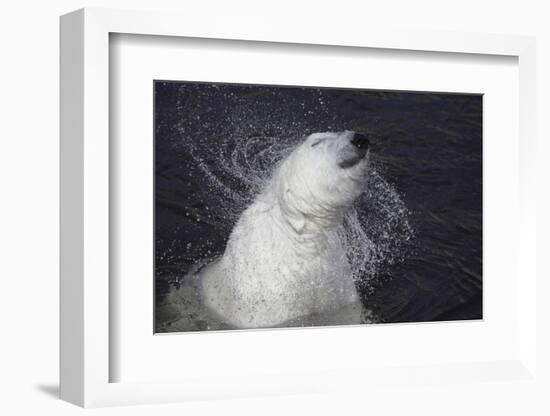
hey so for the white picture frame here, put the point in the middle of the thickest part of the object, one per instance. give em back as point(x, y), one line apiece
point(85, 220)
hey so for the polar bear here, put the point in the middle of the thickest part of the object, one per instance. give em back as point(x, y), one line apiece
point(284, 259)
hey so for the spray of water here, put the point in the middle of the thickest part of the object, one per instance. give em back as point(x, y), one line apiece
point(374, 230)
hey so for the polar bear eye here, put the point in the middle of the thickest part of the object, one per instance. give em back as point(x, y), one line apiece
point(316, 142)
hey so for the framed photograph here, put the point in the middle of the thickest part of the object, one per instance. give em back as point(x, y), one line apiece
point(238, 210)
point(280, 206)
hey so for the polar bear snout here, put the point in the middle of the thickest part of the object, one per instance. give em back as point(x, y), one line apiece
point(360, 141)
point(354, 150)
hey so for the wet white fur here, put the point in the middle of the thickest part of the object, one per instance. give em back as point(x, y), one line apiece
point(284, 259)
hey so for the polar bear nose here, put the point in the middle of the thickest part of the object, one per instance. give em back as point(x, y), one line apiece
point(360, 141)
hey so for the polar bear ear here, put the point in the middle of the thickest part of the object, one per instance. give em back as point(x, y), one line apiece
point(294, 217)
point(297, 222)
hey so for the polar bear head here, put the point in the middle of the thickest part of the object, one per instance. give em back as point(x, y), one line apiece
point(321, 178)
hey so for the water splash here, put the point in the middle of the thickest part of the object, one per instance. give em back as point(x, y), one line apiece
point(374, 231)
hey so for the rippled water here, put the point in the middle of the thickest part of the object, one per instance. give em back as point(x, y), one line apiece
point(413, 237)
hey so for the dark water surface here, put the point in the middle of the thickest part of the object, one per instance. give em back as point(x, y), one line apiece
point(216, 143)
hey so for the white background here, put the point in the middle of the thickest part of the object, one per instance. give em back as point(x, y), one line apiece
point(29, 217)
